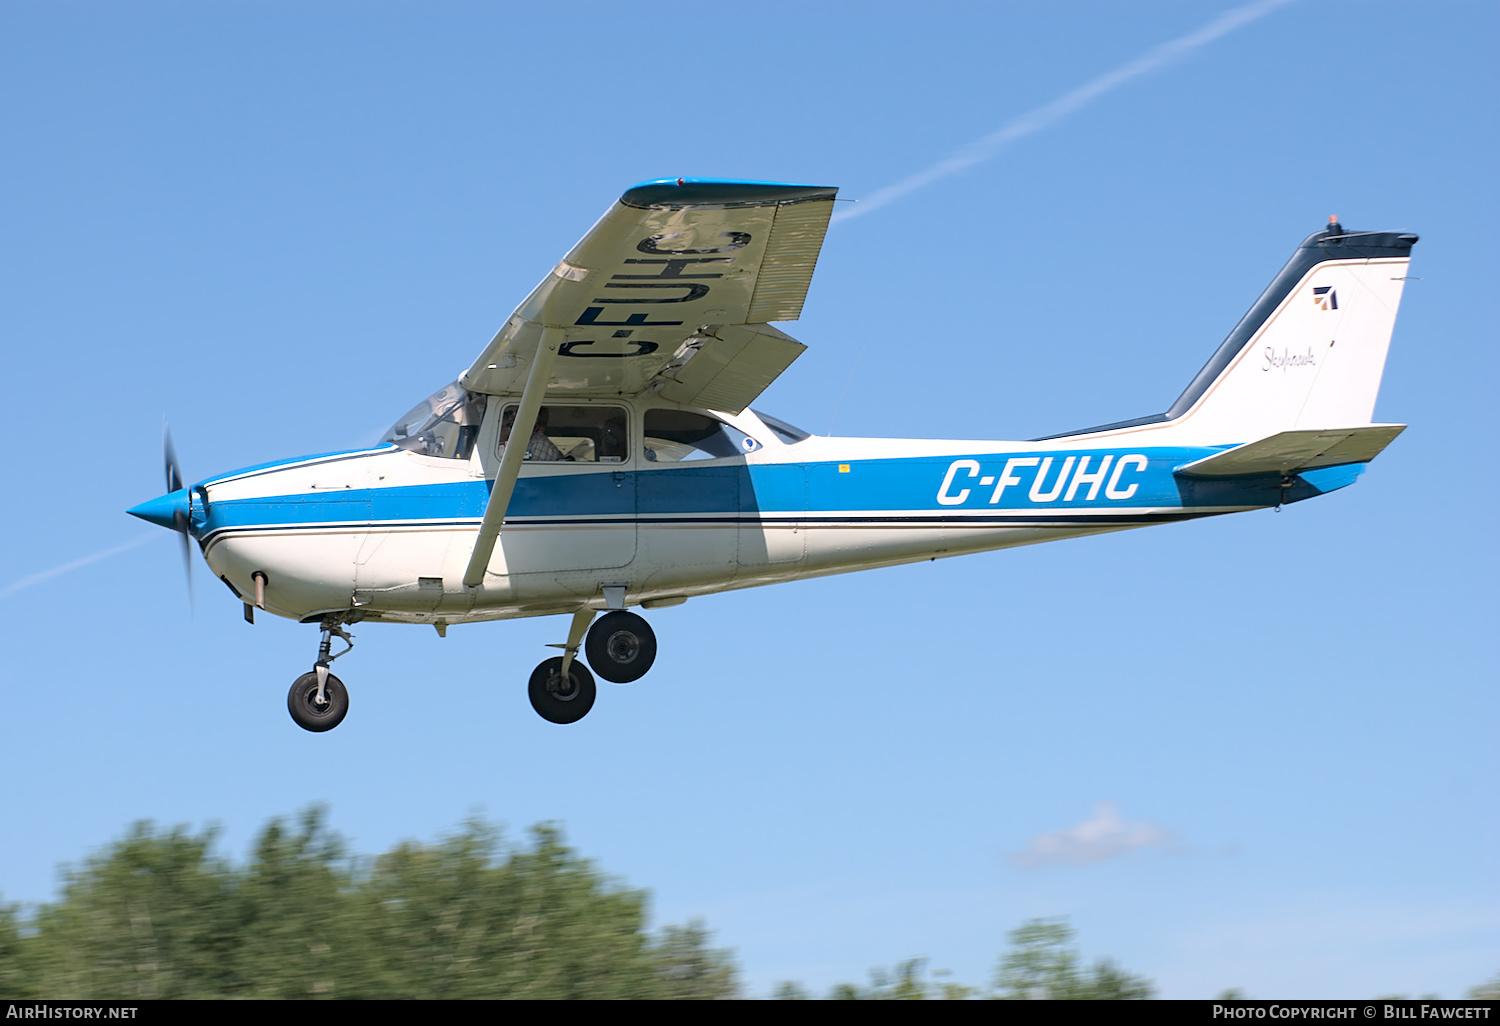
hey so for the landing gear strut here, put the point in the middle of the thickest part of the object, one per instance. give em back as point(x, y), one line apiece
point(318, 700)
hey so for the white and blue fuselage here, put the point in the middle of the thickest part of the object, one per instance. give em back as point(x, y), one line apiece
point(385, 533)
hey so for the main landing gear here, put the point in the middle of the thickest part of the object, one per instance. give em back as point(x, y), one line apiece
point(318, 700)
point(621, 647)
point(558, 697)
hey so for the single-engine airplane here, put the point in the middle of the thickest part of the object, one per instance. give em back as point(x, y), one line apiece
point(601, 452)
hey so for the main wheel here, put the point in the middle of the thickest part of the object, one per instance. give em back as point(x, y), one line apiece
point(558, 700)
point(621, 647)
point(302, 702)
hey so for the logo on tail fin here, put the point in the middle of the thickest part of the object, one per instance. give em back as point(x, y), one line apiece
point(1326, 296)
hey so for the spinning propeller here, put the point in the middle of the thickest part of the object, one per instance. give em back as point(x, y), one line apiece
point(180, 513)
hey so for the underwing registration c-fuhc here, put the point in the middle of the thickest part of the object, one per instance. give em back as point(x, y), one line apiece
point(601, 453)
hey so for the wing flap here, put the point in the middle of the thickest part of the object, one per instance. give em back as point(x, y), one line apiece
point(1290, 451)
point(729, 366)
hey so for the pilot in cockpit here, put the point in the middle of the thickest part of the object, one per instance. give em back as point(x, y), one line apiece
point(540, 446)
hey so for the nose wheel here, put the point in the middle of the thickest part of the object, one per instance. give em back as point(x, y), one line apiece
point(318, 700)
point(312, 712)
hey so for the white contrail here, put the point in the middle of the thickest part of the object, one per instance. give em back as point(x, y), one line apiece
point(1050, 114)
point(45, 575)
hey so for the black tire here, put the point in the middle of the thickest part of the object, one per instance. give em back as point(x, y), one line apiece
point(558, 702)
point(301, 702)
point(621, 647)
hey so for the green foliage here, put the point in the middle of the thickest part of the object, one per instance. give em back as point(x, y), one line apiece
point(1489, 990)
point(907, 982)
point(1040, 964)
point(787, 990)
point(15, 977)
point(157, 916)
point(154, 917)
point(459, 920)
point(689, 969)
point(295, 922)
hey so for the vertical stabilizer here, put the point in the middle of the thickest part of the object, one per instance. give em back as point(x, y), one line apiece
point(1307, 356)
point(1310, 352)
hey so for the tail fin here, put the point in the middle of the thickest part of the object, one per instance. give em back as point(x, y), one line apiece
point(1310, 352)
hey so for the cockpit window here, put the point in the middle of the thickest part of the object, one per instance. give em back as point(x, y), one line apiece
point(571, 434)
point(677, 435)
point(781, 429)
point(446, 423)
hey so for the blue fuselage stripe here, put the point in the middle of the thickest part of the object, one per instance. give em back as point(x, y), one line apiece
point(1102, 487)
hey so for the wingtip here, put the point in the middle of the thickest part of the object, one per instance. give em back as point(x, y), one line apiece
point(720, 192)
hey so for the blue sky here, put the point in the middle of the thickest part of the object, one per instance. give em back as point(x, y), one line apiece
point(1259, 748)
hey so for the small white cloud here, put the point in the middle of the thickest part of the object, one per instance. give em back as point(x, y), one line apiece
point(1101, 837)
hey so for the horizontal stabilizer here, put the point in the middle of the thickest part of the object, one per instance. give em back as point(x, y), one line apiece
point(1290, 451)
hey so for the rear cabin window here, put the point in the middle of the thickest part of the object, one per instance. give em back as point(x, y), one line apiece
point(674, 436)
point(788, 433)
point(571, 434)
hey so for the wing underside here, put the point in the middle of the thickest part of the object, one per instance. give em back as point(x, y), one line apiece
point(671, 290)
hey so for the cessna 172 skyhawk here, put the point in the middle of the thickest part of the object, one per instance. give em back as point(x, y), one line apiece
point(600, 453)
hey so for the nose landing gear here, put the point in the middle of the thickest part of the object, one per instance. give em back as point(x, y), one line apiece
point(318, 700)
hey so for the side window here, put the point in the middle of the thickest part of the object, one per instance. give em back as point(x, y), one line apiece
point(788, 433)
point(674, 436)
point(571, 434)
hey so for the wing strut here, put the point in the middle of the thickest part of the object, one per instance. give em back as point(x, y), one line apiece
point(515, 452)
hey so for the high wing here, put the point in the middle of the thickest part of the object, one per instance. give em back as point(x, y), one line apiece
point(671, 290)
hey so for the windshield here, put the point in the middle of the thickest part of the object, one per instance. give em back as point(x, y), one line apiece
point(446, 423)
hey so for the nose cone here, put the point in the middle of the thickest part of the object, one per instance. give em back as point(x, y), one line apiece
point(168, 510)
